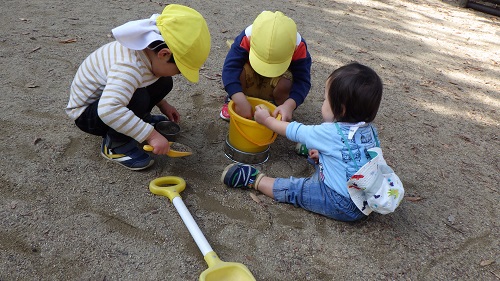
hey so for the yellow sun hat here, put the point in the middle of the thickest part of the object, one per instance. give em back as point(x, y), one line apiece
point(272, 43)
point(186, 34)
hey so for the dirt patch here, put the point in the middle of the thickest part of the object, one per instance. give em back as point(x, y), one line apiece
point(68, 214)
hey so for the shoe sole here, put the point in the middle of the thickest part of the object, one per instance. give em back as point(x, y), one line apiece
point(223, 118)
point(133, 169)
point(225, 171)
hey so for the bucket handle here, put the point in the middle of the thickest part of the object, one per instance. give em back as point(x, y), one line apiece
point(254, 142)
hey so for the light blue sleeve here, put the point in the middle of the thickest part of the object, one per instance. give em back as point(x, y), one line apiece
point(320, 137)
point(292, 131)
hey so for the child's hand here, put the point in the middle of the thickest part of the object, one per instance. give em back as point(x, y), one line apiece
point(285, 111)
point(158, 142)
point(241, 105)
point(169, 110)
point(261, 114)
point(314, 155)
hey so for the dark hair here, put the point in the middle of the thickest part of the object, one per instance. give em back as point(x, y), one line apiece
point(157, 45)
point(354, 93)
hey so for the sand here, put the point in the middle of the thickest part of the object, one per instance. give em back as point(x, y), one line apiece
point(69, 214)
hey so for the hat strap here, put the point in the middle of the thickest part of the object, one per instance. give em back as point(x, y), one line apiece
point(347, 144)
point(377, 143)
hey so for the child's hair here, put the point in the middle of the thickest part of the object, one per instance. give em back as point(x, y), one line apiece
point(354, 93)
point(157, 45)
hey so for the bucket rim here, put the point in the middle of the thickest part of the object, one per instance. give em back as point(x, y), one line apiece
point(232, 113)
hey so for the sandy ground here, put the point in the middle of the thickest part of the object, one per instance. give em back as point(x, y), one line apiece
point(68, 214)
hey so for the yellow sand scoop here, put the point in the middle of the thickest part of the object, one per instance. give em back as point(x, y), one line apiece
point(217, 270)
point(176, 149)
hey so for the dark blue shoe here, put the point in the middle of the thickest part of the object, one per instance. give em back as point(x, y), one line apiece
point(239, 175)
point(128, 155)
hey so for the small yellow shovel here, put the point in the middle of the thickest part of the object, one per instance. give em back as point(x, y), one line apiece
point(217, 270)
point(176, 149)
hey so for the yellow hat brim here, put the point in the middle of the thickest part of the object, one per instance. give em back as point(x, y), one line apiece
point(192, 75)
point(268, 69)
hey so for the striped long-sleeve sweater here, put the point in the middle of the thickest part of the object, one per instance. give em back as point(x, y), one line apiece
point(112, 73)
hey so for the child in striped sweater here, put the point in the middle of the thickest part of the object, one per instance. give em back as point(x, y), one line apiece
point(117, 86)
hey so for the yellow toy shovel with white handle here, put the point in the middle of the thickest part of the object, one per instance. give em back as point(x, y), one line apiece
point(176, 149)
point(217, 270)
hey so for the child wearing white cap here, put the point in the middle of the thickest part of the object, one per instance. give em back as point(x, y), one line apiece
point(351, 178)
point(268, 60)
point(117, 86)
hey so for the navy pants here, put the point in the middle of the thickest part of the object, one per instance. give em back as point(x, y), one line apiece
point(142, 102)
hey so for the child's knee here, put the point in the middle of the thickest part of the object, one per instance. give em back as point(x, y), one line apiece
point(248, 77)
point(282, 90)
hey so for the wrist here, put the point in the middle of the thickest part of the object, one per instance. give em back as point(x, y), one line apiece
point(162, 102)
point(238, 97)
point(291, 103)
point(268, 121)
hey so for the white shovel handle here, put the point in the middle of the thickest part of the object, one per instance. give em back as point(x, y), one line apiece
point(192, 226)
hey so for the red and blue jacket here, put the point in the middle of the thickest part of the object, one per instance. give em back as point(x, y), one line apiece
point(300, 66)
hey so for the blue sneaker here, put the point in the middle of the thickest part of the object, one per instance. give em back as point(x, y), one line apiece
point(127, 155)
point(155, 118)
point(239, 175)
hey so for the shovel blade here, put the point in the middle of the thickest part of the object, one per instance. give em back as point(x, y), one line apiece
point(227, 271)
point(176, 149)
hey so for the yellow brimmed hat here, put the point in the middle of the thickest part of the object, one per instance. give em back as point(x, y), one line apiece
point(272, 43)
point(186, 33)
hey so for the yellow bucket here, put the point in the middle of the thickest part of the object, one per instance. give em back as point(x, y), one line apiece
point(247, 135)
